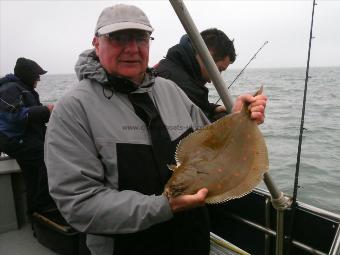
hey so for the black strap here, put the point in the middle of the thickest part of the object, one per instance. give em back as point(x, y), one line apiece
point(146, 110)
point(160, 139)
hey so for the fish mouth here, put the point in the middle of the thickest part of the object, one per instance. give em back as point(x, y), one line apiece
point(174, 191)
point(167, 193)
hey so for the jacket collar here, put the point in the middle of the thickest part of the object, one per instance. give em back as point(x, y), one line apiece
point(184, 55)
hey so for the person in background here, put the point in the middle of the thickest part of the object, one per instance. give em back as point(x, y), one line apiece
point(184, 66)
point(22, 130)
point(110, 139)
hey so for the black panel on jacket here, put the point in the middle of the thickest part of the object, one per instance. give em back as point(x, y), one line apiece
point(132, 175)
point(168, 238)
point(186, 233)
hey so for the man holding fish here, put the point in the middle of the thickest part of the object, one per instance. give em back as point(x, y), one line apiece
point(110, 140)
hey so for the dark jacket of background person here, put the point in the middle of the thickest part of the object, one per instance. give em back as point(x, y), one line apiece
point(181, 66)
point(26, 115)
point(22, 129)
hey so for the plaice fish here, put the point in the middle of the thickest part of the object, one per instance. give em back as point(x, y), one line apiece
point(228, 157)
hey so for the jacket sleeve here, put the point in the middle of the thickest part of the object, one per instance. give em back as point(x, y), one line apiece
point(39, 113)
point(77, 180)
point(194, 94)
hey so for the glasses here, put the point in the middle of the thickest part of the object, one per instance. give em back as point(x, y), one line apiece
point(121, 39)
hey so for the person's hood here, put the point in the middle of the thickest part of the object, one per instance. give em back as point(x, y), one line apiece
point(28, 71)
point(183, 54)
point(89, 67)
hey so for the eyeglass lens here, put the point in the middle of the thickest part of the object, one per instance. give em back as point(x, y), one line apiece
point(124, 38)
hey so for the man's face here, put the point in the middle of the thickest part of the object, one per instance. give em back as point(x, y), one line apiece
point(222, 65)
point(124, 53)
point(36, 82)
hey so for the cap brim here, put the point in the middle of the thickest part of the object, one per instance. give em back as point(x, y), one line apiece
point(38, 70)
point(123, 26)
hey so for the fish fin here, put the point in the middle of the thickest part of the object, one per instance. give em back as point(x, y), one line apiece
point(259, 91)
point(238, 192)
point(245, 106)
point(171, 167)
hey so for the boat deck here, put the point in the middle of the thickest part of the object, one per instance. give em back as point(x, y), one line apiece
point(22, 242)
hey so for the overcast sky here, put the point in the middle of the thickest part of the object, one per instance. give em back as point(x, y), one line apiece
point(54, 33)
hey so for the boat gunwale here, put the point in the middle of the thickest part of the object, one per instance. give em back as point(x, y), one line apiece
point(306, 207)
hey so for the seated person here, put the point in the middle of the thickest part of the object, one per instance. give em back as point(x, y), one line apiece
point(22, 130)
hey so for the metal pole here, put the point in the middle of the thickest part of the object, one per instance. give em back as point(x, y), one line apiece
point(280, 203)
point(335, 249)
point(221, 87)
point(267, 225)
point(279, 232)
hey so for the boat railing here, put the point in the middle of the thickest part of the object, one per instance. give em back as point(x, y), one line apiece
point(310, 210)
point(233, 214)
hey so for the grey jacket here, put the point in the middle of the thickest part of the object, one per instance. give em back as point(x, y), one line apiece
point(81, 153)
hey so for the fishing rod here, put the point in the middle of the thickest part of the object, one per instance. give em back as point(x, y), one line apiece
point(297, 171)
point(244, 68)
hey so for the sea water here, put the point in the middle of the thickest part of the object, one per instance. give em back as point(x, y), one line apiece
point(319, 178)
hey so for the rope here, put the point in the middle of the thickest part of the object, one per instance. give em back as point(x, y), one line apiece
point(281, 203)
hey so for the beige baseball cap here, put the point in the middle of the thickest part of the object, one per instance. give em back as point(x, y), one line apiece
point(121, 17)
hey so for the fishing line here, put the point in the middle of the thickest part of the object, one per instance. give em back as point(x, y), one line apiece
point(297, 171)
point(244, 68)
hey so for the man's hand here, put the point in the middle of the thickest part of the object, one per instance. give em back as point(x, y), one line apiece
point(185, 202)
point(257, 106)
point(220, 108)
point(50, 107)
